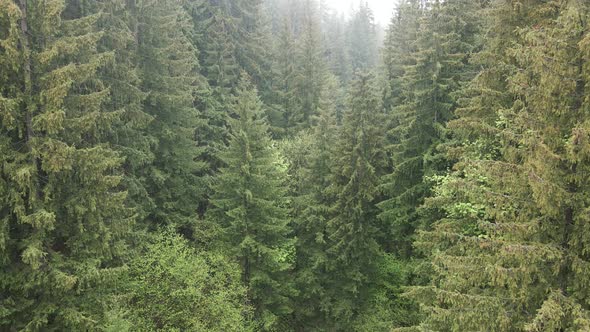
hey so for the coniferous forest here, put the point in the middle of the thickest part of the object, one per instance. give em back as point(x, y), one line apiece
point(273, 165)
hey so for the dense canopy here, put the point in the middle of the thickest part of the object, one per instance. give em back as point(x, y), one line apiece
point(274, 165)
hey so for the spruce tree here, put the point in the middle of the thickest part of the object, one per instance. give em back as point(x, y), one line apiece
point(311, 76)
point(230, 38)
point(310, 156)
point(212, 34)
point(214, 29)
point(510, 253)
point(129, 135)
point(283, 115)
point(353, 250)
point(253, 40)
point(249, 207)
point(398, 48)
point(336, 51)
point(362, 39)
point(62, 207)
point(437, 70)
point(169, 74)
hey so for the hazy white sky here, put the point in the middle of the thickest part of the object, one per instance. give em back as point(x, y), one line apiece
point(382, 8)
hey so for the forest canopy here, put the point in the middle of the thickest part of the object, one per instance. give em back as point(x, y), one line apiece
point(275, 165)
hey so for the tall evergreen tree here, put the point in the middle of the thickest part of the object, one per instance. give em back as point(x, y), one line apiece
point(284, 103)
point(442, 49)
point(214, 32)
point(249, 205)
point(169, 73)
point(511, 253)
point(63, 212)
point(311, 76)
point(310, 156)
point(362, 39)
point(337, 55)
point(398, 49)
point(253, 39)
point(354, 251)
point(119, 21)
point(230, 37)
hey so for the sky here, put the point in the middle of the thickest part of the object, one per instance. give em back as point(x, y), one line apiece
point(381, 8)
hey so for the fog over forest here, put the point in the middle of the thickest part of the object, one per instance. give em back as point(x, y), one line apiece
point(274, 165)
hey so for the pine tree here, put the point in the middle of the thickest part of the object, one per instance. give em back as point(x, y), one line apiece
point(63, 211)
point(249, 205)
point(511, 253)
point(353, 250)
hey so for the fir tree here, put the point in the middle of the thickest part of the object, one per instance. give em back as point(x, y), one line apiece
point(312, 71)
point(354, 251)
point(310, 156)
point(428, 85)
point(250, 208)
point(362, 39)
point(169, 73)
point(63, 211)
point(510, 252)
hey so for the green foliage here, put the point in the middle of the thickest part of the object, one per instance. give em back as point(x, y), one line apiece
point(169, 286)
point(425, 76)
point(448, 193)
point(387, 306)
point(310, 157)
point(250, 208)
point(352, 229)
point(63, 212)
point(169, 72)
point(509, 253)
point(362, 39)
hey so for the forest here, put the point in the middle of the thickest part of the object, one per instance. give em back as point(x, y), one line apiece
point(277, 165)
